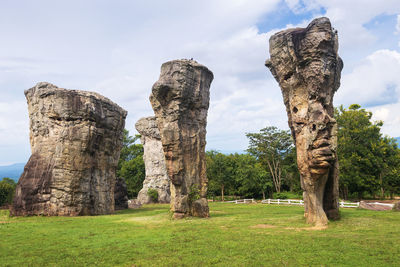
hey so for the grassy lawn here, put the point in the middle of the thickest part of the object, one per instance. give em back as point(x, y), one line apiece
point(235, 235)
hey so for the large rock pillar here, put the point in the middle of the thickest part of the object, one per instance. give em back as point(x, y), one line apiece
point(76, 138)
point(154, 162)
point(180, 100)
point(306, 64)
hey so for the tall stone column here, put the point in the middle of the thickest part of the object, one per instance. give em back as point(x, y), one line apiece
point(76, 138)
point(306, 64)
point(154, 161)
point(180, 100)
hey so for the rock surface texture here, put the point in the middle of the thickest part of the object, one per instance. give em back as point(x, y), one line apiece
point(180, 100)
point(396, 206)
point(154, 161)
point(373, 206)
point(120, 195)
point(307, 67)
point(75, 137)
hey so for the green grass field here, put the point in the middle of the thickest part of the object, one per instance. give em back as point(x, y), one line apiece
point(235, 235)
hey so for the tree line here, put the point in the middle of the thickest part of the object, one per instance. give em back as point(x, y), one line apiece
point(369, 163)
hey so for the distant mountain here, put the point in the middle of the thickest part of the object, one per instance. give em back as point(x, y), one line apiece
point(13, 171)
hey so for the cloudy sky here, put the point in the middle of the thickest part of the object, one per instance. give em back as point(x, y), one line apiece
point(116, 48)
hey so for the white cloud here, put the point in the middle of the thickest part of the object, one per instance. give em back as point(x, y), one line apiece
point(390, 115)
point(116, 48)
point(375, 81)
point(381, 114)
point(349, 18)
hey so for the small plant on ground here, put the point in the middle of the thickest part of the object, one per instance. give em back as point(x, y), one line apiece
point(194, 193)
point(153, 194)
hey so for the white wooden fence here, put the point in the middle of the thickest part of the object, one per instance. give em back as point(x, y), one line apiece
point(283, 201)
point(242, 201)
point(342, 204)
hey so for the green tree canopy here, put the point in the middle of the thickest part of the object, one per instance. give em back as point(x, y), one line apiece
point(271, 146)
point(368, 161)
point(7, 190)
point(131, 165)
point(220, 171)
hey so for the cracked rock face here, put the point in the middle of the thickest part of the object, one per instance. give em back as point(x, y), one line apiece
point(154, 161)
point(76, 138)
point(180, 100)
point(120, 194)
point(307, 67)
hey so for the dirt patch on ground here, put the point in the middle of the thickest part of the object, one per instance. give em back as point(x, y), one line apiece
point(313, 228)
point(154, 219)
point(263, 226)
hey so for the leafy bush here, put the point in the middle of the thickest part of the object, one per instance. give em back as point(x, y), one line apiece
point(131, 165)
point(194, 193)
point(287, 195)
point(7, 190)
point(153, 194)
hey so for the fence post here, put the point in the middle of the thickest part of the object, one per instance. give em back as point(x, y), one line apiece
point(289, 201)
point(278, 201)
point(236, 201)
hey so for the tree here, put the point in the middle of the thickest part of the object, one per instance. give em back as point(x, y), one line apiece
point(291, 172)
point(219, 171)
point(7, 190)
point(368, 162)
point(388, 157)
point(270, 146)
point(251, 177)
point(131, 165)
point(238, 174)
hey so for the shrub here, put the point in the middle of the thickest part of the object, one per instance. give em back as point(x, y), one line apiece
point(7, 190)
point(287, 195)
point(194, 193)
point(153, 194)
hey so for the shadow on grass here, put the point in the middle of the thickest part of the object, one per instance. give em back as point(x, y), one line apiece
point(142, 209)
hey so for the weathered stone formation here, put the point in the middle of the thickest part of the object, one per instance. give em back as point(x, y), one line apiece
point(396, 206)
point(75, 137)
point(180, 100)
point(120, 194)
point(373, 206)
point(306, 64)
point(154, 161)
